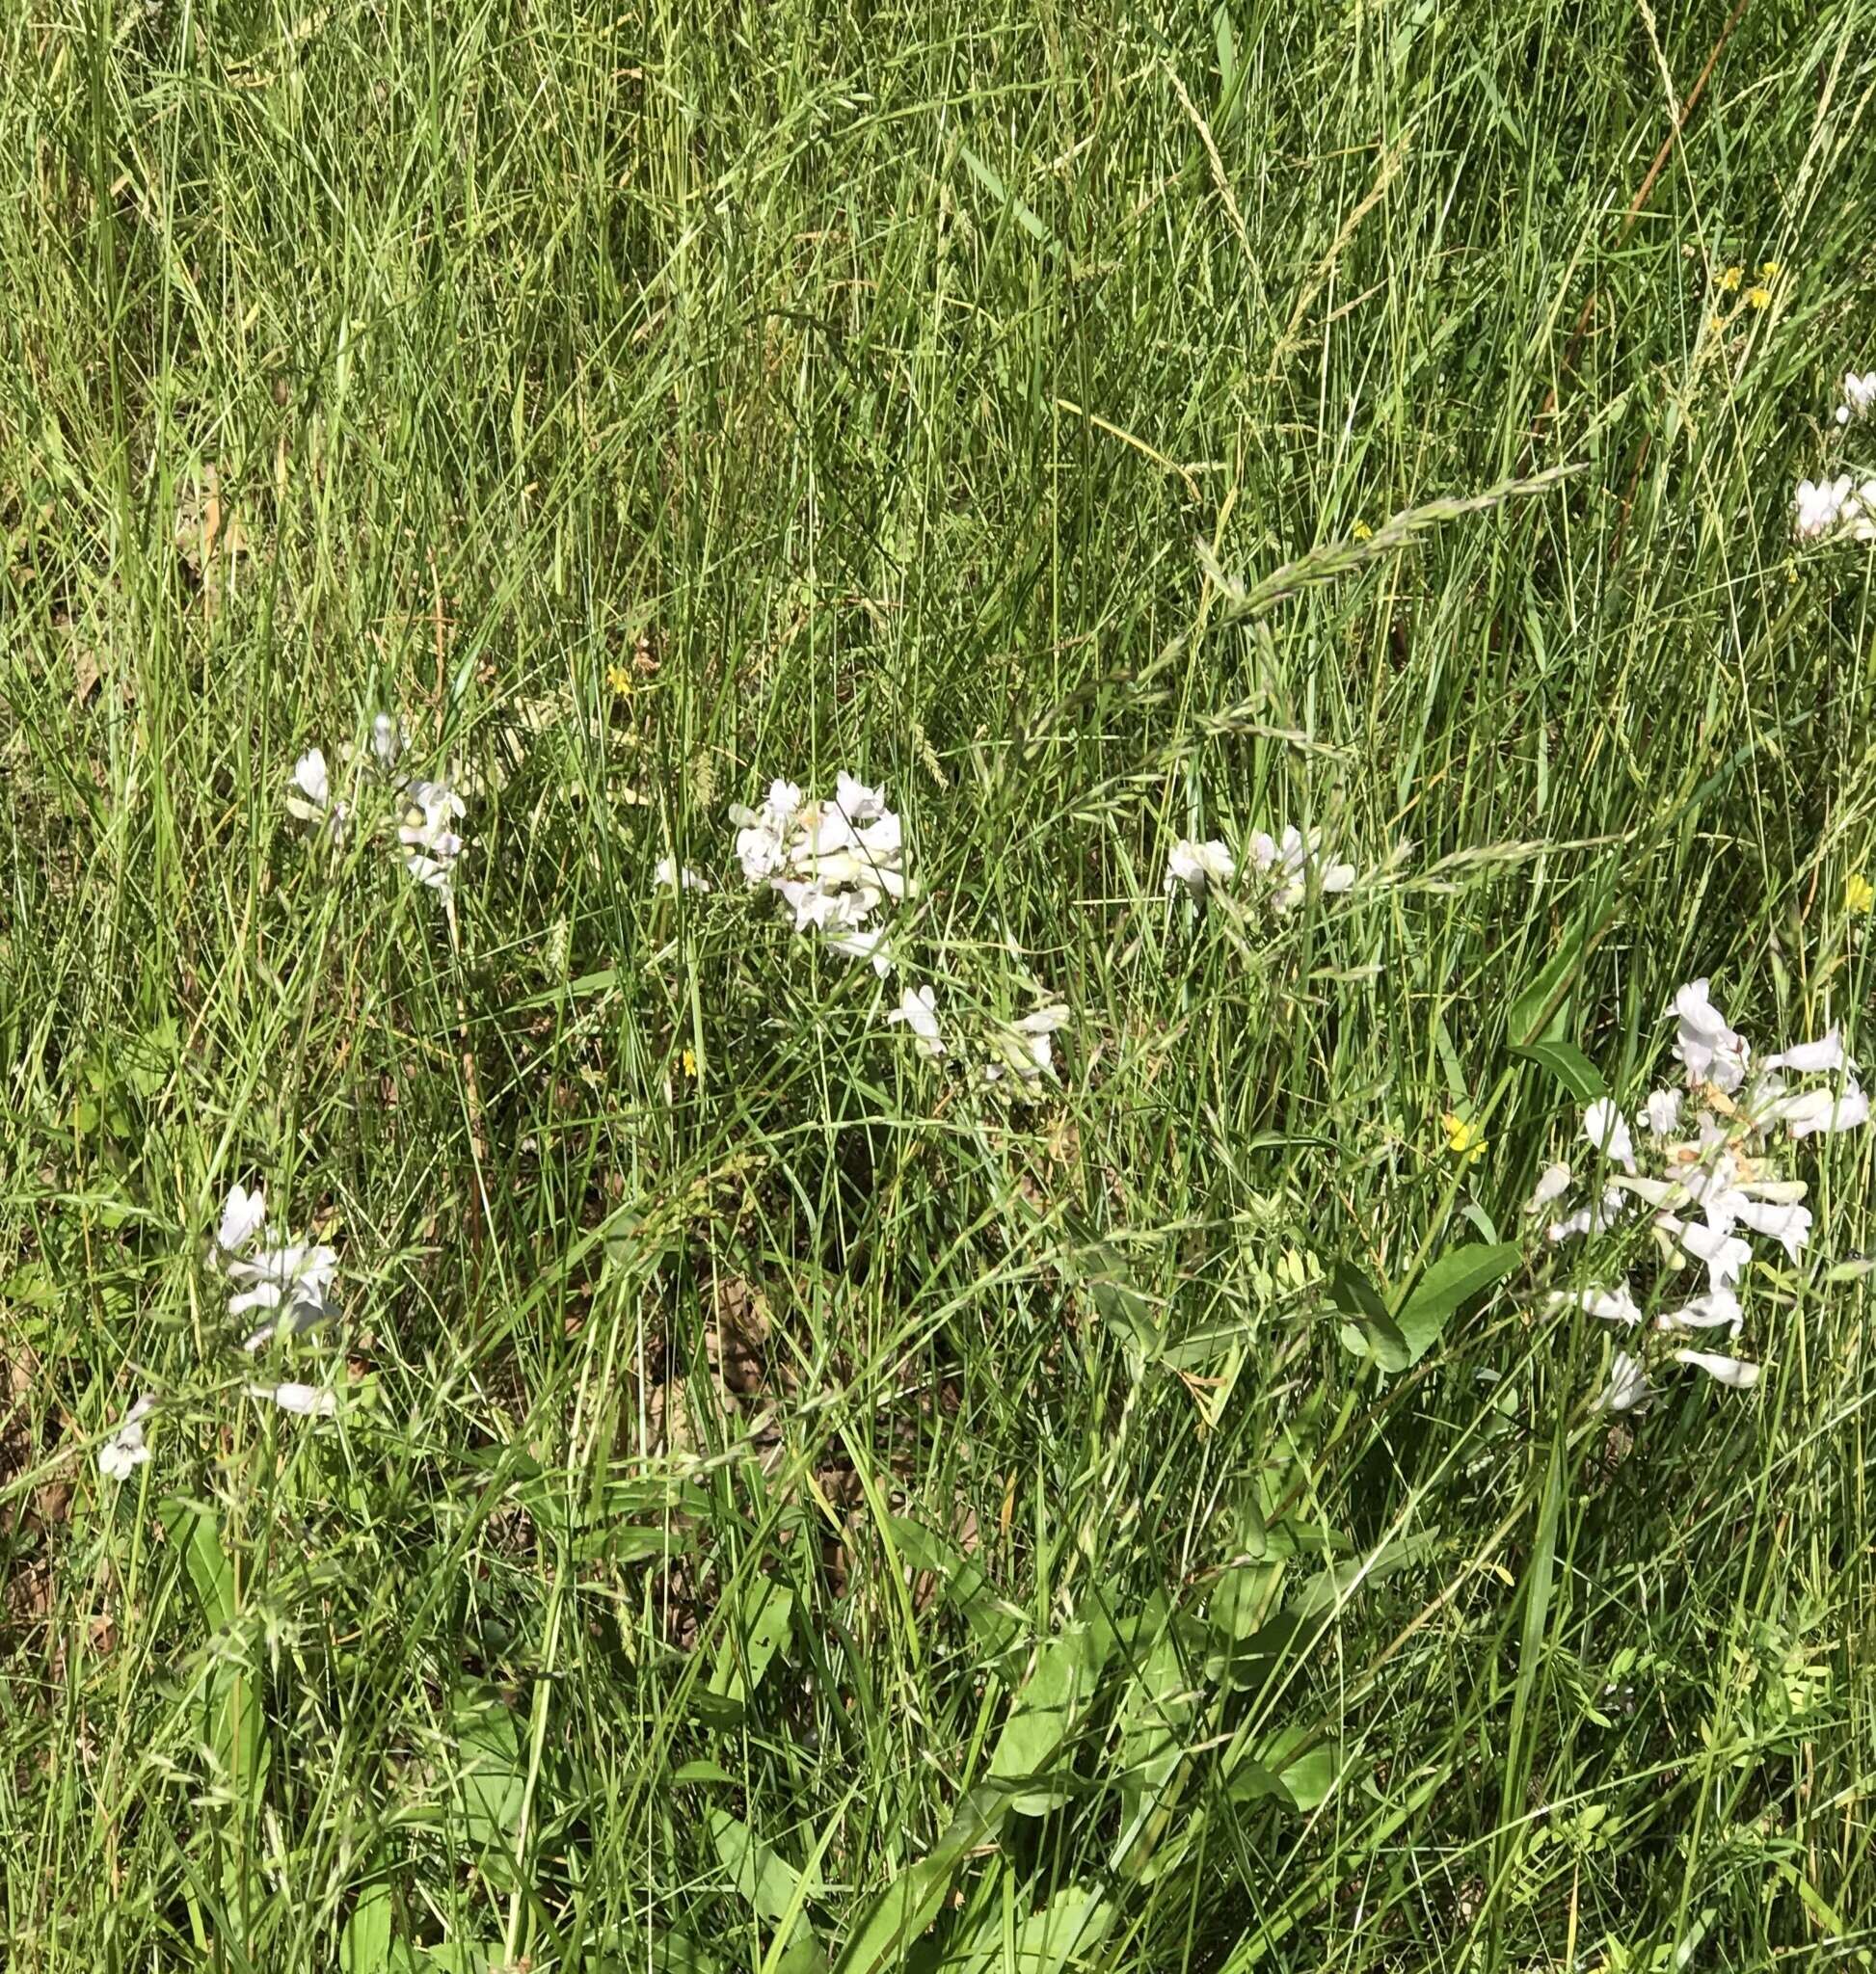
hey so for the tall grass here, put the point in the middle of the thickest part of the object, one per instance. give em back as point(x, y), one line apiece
point(789, 1507)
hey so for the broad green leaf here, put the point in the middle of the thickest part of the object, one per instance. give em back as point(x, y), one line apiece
point(1155, 1720)
point(1571, 1068)
point(752, 1639)
point(913, 1899)
point(1542, 999)
point(488, 1770)
point(702, 1769)
point(994, 1622)
point(196, 1530)
point(1062, 1679)
point(1119, 1300)
point(365, 1946)
point(765, 1878)
point(1455, 1278)
point(1294, 1766)
point(1370, 1331)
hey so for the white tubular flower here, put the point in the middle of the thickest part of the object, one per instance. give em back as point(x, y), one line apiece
point(1788, 1225)
point(1628, 1388)
point(303, 1400)
point(1607, 1305)
point(293, 1280)
point(1662, 1113)
point(918, 1009)
point(1824, 1056)
point(1718, 1310)
point(1607, 1130)
point(1712, 1052)
point(242, 1215)
point(869, 943)
point(667, 877)
point(1197, 866)
point(388, 739)
point(1552, 1183)
point(1290, 861)
point(1728, 1370)
point(1858, 395)
point(1596, 1219)
point(124, 1452)
point(1724, 1254)
point(1806, 1112)
point(858, 803)
point(310, 797)
point(426, 833)
point(1819, 507)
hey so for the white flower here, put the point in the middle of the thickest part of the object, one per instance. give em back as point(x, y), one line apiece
point(918, 1009)
point(306, 1401)
point(1552, 1183)
point(1858, 394)
point(1733, 1371)
point(1609, 1306)
point(858, 803)
point(124, 1452)
point(1628, 1388)
point(1788, 1225)
point(1806, 1112)
point(1607, 1130)
point(1718, 1309)
point(1596, 1219)
point(1810, 1057)
point(1197, 866)
point(311, 799)
point(869, 943)
point(242, 1214)
point(1712, 1052)
point(427, 833)
point(665, 877)
point(1820, 507)
point(1291, 859)
point(295, 1281)
point(1724, 1254)
point(1663, 1113)
point(388, 739)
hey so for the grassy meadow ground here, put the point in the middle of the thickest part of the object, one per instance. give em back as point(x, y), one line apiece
point(791, 1505)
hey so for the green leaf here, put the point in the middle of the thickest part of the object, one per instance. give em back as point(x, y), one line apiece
point(1370, 1331)
point(1571, 1068)
point(764, 1878)
point(701, 1771)
point(196, 1530)
point(365, 1946)
point(1541, 1000)
point(760, 1630)
point(913, 1899)
point(1155, 1720)
point(489, 1773)
point(1456, 1277)
point(987, 177)
point(994, 1622)
point(1294, 1766)
point(1119, 1300)
point(1067, 1672)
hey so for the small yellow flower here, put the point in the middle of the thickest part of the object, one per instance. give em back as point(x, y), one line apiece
point(1463, 1139)
point(1769, 270)
point(1717, 324)
point(1758, 298)
point(1859, 894)
point(620, 681)
point(688, 1059)
point(1361, 531)
point(1730, 279)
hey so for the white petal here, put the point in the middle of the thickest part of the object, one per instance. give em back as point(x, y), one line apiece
point(306, 1401)
point(1607, 1130)
point(1628, 1388)
point(1810, 1057)
point(1731, 1370)
point(242, 1214)
point(1552, 1183)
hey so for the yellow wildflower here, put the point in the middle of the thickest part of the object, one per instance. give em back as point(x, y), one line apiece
point(1859, 894)
point(1463, 1139)
point(1758, 298)
point(1362, 531)
point(689, 1062)
point(1717, 324)
point(1769, 270)
point(620, 681)
point(1730, 280)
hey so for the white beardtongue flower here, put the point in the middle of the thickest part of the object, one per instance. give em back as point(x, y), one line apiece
point(425, 832)
point(918, 1009)
point(1663, 1113)
point(1718, 1310)
point(242, 1214)
point(293, 1280)
point(1712, 1052)
point(1608, 1306)
point(303, 1400)
point(310, 797)
point(1291, 860)
point(1820, 506)
point(1804, 1113)
point(834, 862)
point(1858, 395)
point(124, 1452)
point(1607, 1130)
point(1196, 867)
point(1823, 1056)
point(1628, 1388)
point(1552, 1183)
point(389, 741)
point(666, 878)
point(1733, 1371)
point(1724, 1254)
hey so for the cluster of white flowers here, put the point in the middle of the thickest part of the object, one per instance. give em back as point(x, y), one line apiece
point(1841, 506)
point(1022, 1049)
point(835, 863)
point(1836, 507)
point(291, 1281)
point(1858, 396)
point(1286, 863)
point(1703, 1180)
point(425, 811)
point(668, 877)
